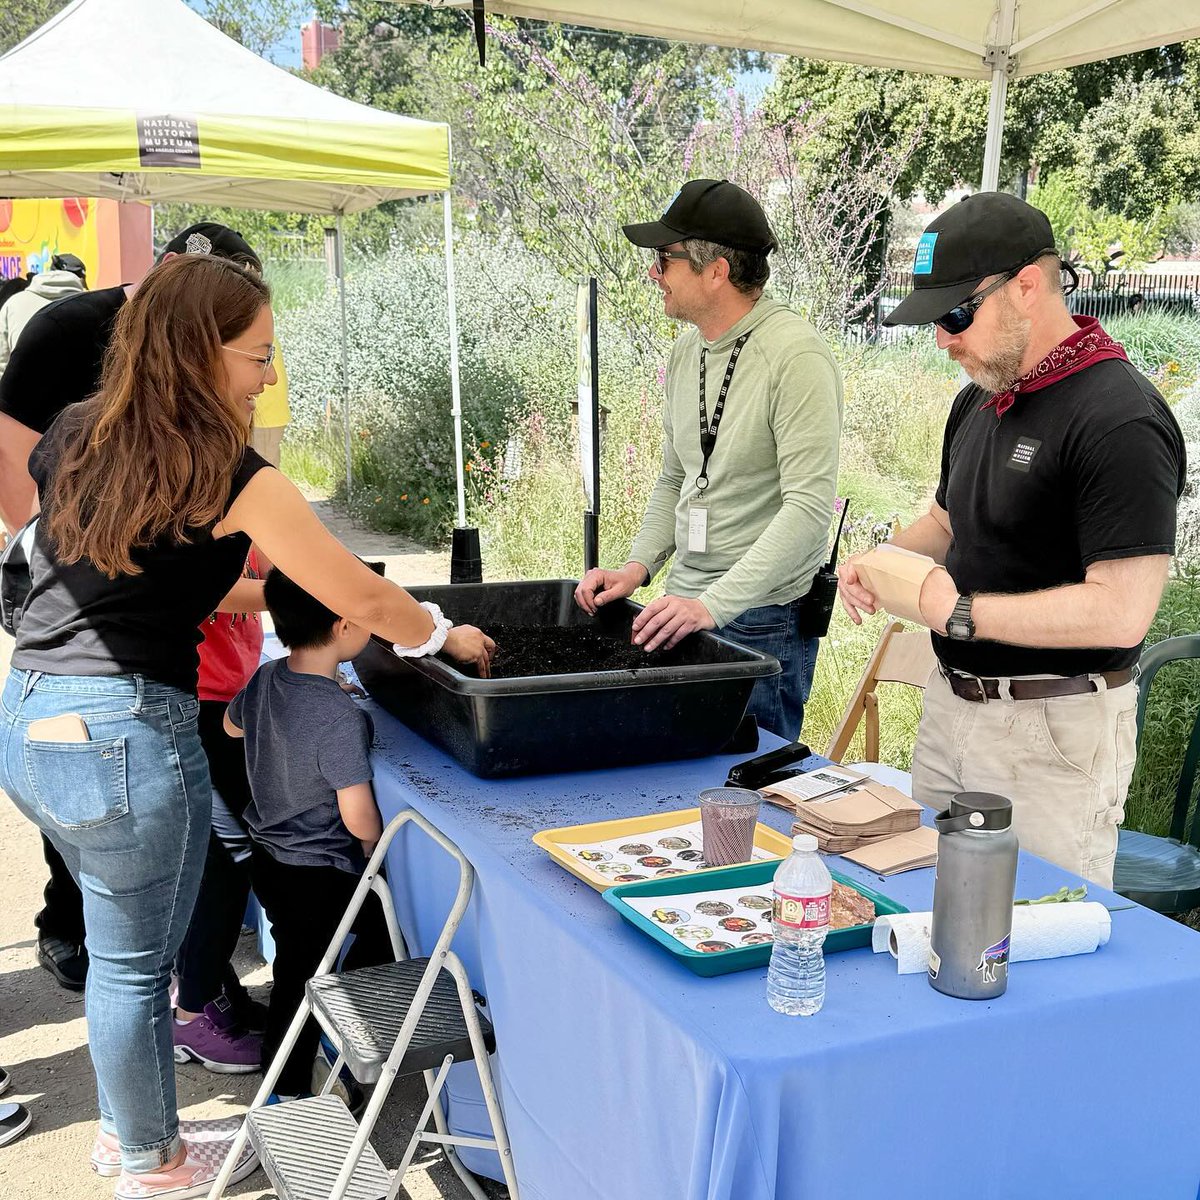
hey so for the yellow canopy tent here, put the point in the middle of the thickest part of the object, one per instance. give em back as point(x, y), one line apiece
point(974, 39)
point(145, 100)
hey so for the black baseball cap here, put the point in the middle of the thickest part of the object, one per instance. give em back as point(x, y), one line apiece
point(989, 233)
point(713, 210)
point(210, 238)
point(68, 262)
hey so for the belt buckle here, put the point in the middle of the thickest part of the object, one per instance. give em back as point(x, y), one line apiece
point(954, 672)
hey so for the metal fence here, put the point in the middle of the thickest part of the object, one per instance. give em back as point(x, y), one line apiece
point(1116, 294)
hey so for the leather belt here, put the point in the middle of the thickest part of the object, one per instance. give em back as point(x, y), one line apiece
point(980, 691)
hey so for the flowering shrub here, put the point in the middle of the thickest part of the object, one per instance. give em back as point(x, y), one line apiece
point(516, 351)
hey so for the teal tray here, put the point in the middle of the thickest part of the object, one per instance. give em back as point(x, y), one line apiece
point(740, 958)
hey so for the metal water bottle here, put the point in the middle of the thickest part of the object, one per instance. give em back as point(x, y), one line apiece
point(973, 897)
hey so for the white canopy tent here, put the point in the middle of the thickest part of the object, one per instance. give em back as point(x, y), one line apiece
point(973, 39)
point(145, 100)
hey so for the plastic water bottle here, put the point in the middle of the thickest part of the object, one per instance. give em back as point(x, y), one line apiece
point(796, 976)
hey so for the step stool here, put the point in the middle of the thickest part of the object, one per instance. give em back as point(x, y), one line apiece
point(404, 1017)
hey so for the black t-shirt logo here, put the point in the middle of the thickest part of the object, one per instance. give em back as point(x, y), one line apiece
point(1023, 454)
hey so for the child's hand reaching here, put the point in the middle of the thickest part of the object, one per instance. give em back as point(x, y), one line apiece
point(351, 689)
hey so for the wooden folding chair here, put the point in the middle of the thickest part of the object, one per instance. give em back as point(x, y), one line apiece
point(899, 656)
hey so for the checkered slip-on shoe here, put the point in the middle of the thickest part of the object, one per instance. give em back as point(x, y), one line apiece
point(194, 1176)
point(106, 1151)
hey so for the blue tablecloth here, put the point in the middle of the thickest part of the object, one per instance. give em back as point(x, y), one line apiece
point(626, 1077)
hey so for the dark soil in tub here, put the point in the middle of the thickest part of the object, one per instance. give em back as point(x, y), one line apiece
point(524, 650)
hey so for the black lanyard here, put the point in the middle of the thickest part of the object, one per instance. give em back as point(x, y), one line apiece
point(708, 433)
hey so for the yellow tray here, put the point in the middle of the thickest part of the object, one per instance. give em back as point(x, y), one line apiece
point(553, 841)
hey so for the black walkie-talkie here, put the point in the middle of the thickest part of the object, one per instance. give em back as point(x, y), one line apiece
point(816, 608)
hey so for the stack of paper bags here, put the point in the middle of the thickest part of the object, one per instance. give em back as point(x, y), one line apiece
point(866, 814)
point(903, 852)
point(894, 576)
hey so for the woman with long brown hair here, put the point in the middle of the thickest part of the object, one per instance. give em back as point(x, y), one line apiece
point(150, 499)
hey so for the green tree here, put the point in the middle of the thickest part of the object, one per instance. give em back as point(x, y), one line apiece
point(1139, 150)
point(948, 117)
point(386, 47)
point(259, 25)
point(1089, 232)
point(19, 18)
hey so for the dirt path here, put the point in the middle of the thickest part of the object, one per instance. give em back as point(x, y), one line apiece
point(43, 1033)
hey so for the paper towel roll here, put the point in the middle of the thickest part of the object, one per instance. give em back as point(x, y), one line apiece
point(906, 937)
point(1038, 931)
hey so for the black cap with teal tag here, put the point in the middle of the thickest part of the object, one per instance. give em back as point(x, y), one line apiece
point(713, 210)
point(989, 233)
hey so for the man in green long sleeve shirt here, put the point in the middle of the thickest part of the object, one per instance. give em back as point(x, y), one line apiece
point(745, 507)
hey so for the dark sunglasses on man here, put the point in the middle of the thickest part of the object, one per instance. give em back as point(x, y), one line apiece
point(960, 317)
point(662, 256)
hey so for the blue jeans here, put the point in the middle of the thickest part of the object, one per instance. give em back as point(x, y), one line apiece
point(129, 811)
point(777, 702)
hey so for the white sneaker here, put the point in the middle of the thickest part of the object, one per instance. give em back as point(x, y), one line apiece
point(14, 1120)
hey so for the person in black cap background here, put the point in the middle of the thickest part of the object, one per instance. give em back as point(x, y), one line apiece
point(752, 418)
point(66, 276)
point(1053, 524)
point(56, 364)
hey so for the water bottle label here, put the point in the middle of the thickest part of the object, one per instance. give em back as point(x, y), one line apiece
point(801, 912)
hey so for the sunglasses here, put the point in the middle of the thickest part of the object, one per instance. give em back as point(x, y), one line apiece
point(662, 257)
point(961, 316)
point(263, 361)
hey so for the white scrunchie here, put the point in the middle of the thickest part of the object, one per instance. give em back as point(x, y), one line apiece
point(437, 639)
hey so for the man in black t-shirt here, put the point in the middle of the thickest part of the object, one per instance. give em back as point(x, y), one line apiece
point(1053, 524)
point(56, 363)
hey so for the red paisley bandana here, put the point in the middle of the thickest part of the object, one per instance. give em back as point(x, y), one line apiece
point(1088, 345)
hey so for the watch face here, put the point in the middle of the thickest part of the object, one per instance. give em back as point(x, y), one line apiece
point(957, 627)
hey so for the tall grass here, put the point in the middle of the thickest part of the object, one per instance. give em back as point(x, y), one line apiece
point(1164, 346)
point(840, 662)
point(1170, 713)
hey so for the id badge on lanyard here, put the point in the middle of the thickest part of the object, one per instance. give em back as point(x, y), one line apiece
point(697, 526)
point(697, 508)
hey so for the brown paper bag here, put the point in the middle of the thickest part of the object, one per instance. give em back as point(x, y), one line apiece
point(872, 808)
point(895, 577)
point(904, 852)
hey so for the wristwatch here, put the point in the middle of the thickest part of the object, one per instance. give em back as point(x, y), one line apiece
point(960, 627)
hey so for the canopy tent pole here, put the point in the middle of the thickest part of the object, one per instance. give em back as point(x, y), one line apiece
point(455, 392)
point(466, 564)
point(998, 56)
point(340, 255)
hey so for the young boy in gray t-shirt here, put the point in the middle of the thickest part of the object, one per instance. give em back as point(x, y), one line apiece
point(312, 816)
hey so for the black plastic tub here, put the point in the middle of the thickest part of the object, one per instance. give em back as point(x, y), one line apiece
point(579, 722)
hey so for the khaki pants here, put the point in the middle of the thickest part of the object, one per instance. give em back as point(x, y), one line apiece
point(268, 441)
point(1065, 763)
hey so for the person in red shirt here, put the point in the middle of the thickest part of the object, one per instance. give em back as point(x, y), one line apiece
point(216, 1023)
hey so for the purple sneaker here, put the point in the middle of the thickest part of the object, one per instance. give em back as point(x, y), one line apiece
point(217, 1042)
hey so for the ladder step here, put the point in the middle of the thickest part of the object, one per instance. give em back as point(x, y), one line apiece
point(302, 1145)
point(364, 1010)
